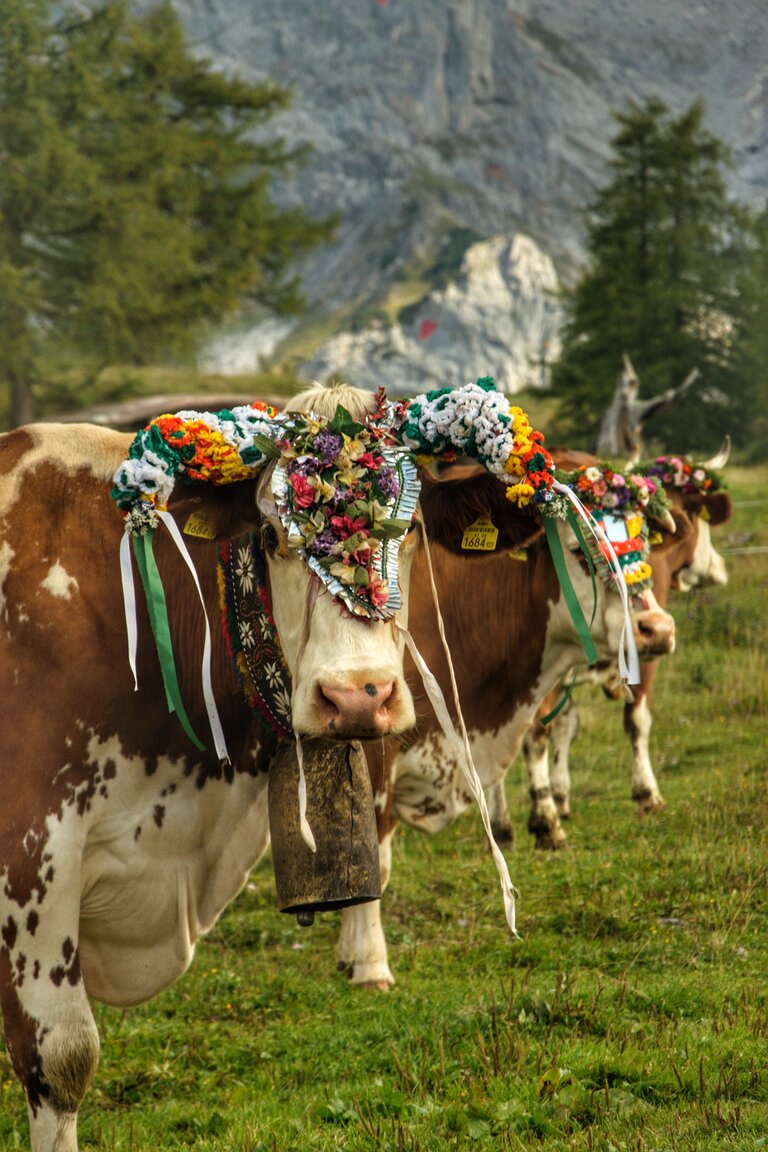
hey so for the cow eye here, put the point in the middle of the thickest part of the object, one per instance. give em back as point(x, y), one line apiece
point(269, 538)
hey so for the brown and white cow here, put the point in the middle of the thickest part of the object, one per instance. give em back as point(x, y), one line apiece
point(120, 841)
point(691, 562)
point(513, 640)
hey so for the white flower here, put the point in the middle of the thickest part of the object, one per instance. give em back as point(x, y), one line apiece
point(246, 634)
point(244, 569)
point(283, 703)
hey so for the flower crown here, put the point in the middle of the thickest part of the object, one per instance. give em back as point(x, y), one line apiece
point(346, 494)
point(621, 504)
point(681, 473)
point(479, 422)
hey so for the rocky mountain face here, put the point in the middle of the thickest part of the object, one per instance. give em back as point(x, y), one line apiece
point(460, 141)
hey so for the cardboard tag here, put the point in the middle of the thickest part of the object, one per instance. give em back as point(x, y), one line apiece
point(480, 537)
point(199, 525)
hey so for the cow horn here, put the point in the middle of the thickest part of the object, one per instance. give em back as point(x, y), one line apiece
point(720, 459)
point(667, 520)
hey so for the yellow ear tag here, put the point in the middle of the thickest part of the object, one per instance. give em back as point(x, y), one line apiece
point(480, 537)
point(655, 538)
point(199, 525)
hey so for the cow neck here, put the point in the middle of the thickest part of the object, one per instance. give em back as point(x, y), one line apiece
point(251, 635)
point(457, 736)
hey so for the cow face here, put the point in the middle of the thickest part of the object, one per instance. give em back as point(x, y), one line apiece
point(336, 590)
point(347, 670)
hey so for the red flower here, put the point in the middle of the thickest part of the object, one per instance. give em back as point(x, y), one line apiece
point(303, 490)
point(345, 527)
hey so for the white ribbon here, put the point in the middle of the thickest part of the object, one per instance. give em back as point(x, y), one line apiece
point(129, 605)
point(629, 663)
point(459, 742)
point(304, 826)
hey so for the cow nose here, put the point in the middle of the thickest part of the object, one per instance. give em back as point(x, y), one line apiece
point(654, 633)
point(358, 711)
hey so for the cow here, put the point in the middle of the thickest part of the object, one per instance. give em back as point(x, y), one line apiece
point(513, 640)
point(125, 831)
point(696, 492)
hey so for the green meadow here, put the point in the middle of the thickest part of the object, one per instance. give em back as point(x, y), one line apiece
point(632, 1016)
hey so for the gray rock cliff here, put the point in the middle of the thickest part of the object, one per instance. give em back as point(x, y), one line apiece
point(439, 124)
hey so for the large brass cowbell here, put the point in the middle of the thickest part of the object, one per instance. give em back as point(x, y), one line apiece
point(344, 869)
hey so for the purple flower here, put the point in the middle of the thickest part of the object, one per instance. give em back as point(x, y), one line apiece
point(323, 543)
point(327, 445)
point(388, 483)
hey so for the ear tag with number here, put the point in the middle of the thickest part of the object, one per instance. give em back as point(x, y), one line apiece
point(480, 536)
point(199, 525)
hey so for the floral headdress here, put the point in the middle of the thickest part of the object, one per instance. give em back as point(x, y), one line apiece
point(479, 422)
point(682, 474)
point(621, 504)
point(346, 494)
point(203, 447)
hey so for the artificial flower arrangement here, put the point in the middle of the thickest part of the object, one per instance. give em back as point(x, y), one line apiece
point(479, 422)
point(204, 447)
point(614, 498)
point(681, 473)
point(345, 491)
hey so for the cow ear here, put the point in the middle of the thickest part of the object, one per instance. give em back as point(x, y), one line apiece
point(718, 507)
point(662, 538)
point(450, 507)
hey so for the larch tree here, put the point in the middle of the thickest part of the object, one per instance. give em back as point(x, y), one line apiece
point(659, 285)
point(135, 190)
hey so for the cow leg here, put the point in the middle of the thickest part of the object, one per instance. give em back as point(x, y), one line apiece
point(362, 949)
point(501, 826)
point(544, 821)
point(50, 1033)
point(637, 724)
point(562, 732)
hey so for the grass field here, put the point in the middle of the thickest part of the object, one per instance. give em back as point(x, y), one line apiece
point(632, 1016)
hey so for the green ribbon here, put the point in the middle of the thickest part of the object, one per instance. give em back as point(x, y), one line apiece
point(569, 595)
point(158, 618)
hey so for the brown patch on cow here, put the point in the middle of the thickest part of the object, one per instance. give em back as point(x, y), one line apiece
point(21, 1038)
point(10, 932)
point(33, 919)
point(137, 832)
point(158, 814)
point(70, 969)
point(109, 770)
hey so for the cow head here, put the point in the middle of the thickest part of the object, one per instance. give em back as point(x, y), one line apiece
point(337, 508)
point(698, 489)
point(632, 512)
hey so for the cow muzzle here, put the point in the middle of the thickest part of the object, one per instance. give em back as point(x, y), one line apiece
point(654, 630)
point(358, 712)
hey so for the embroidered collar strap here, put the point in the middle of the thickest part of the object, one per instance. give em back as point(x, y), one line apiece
point(250, 634)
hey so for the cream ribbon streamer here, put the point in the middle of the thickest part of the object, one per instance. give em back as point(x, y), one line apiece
point(459, 741)
point(629, 663)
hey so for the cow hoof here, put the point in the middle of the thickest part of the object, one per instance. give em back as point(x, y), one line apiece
point(551, 841)
point(563, 805)
point(648, 804)
point(373, 985)
point(345, 966)
point(503, 836)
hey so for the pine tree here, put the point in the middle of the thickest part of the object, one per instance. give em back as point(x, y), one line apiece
point(134, 190)
point(659, 284)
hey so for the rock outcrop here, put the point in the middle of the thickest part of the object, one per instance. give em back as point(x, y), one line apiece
point(485, 117)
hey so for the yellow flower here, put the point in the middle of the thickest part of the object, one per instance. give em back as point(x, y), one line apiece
point(520, 494)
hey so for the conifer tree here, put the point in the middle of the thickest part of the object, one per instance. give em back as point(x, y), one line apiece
point(134, 189)
point(663, 241)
